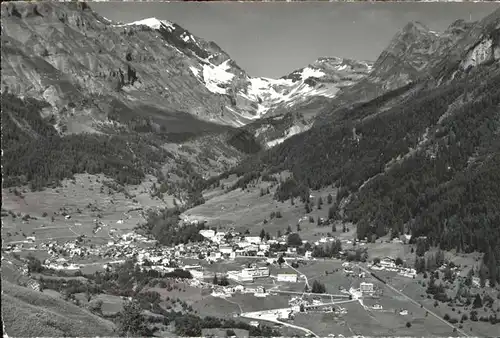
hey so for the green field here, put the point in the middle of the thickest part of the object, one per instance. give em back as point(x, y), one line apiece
point(85, 199)
point(246, 209)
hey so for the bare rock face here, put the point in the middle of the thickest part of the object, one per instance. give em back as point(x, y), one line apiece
point(417, 53)
point(69, 54)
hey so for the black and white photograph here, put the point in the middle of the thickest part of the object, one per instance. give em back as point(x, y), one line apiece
point(250, 169)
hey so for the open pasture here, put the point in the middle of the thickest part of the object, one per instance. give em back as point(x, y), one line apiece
point(74, 208)
point(214, 306)
point(247, 209)
point(322, 324)
point(250, 303)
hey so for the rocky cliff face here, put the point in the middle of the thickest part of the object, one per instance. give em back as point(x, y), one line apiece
point(89, 68)
point(416, 53)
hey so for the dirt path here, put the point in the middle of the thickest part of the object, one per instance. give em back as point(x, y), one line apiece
point(300, 273)
point(239, 306)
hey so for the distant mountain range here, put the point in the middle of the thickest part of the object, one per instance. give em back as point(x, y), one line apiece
point(79, 61)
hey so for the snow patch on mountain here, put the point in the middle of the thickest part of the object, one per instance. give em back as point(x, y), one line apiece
point(311, 72)
point(195, 71)
point(289, 133)
point(186, 37)
point(217, 77)
point(153, 23)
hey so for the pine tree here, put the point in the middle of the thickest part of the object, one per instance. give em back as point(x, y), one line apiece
point(262, 234)
point(308, 208)
point(281, 260)
point(483, 271)
point(468, 279)
point(492, 269)
point(477, 302)
point(329, 199)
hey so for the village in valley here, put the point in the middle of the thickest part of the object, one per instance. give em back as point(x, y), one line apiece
point(295, 275)
point(304, 282)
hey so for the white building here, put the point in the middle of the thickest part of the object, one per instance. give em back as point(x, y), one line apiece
point(256, 272)
point(388, 262)
point(239, 276)
point(215, 255)
point(253, 239)
point(209, 234)
point(225, 250)
point(287, 277)
point(219, 237)
point(366, 287)
point(193, 267)
point(264, 247)
point(308, 255)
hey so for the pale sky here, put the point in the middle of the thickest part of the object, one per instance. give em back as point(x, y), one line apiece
point(273, 39)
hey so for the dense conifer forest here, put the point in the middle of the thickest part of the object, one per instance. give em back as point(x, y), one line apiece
point(35, 153)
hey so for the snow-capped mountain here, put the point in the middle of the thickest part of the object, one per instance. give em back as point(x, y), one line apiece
point(312, 88)
point(94, 68)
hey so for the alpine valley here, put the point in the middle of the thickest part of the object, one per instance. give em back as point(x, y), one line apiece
point(125, 144)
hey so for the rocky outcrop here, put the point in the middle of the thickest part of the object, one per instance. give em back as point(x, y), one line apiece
point(416, 53)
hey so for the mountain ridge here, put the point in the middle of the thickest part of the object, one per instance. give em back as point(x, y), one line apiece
point(146, 62)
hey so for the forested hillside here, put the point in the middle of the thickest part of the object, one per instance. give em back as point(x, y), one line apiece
point(428, 166)
point(37, 154)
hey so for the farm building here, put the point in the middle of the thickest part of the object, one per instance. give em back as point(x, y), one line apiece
point(366, 287)
point(256, 272)
point(209, 234)
point(225, 249)
point(239, 277)
point(287, 277)
point(253, 239)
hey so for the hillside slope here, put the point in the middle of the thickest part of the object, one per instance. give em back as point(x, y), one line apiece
point(29, 313)
point(411, 55)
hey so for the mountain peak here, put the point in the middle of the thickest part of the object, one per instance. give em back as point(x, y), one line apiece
point(152, 22)
point(415, 26)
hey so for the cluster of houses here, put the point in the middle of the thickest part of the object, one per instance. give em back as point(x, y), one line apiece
point(246, 274)
point(232, 244)
point(229, 291)
point(249, 274)
point(389, 264)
